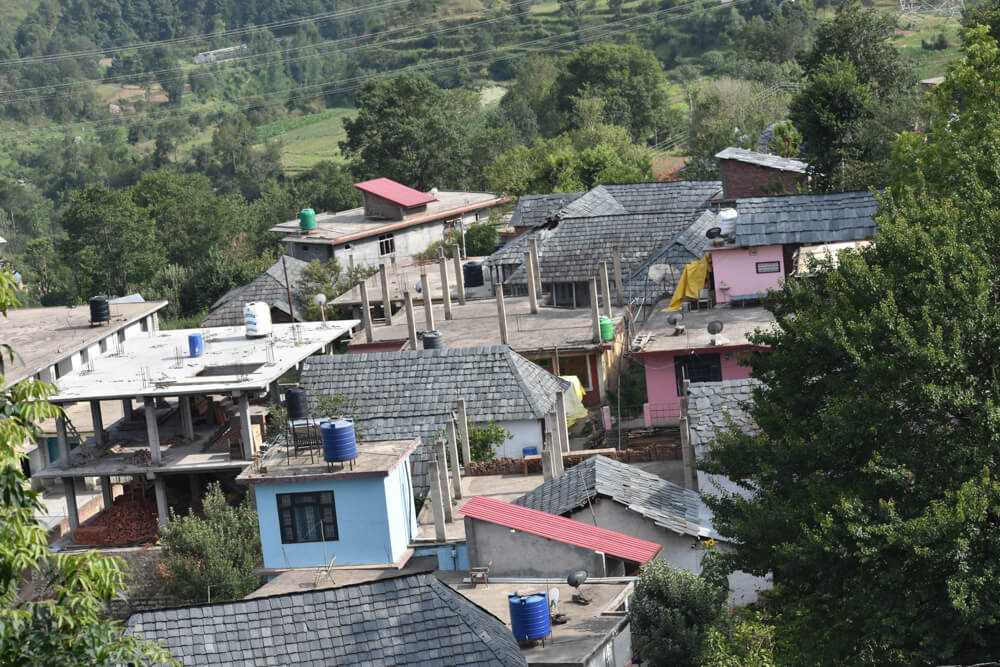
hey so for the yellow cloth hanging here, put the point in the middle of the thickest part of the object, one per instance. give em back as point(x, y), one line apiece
point(693, 279)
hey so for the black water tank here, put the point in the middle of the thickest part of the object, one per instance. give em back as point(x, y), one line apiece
point(100, 311)
point(433, 340)
point(297, 403)
point(472, 274)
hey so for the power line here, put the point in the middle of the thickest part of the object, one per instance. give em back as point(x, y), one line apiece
point(357, 82)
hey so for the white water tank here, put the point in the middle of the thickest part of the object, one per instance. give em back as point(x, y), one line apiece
point(727, 221)
point(257, 319)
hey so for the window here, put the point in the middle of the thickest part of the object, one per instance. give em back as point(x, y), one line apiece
point(144, 324)
point(103, 345)
point(578, 366)
point(697, 368)
point(386, 244)
point(307, 517)
point(768, 267)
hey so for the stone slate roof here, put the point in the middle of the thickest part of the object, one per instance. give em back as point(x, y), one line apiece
point(812, 218)
point(412, 393)
point(534, 210)
point(762, 160)
point(598, 201)
point(268, 287)
point(664, 195)
point(686, 247)
point(401, 621)
point(668, 505)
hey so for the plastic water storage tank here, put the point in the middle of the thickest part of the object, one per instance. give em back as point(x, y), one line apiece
point(297, 403)
point(338, 440)
point(100, 311)
point(529, 616)
point(257, 319)
point(433, 340)
point(607, 329)
point(196, 344)
point(472, 274)
point(307, 220)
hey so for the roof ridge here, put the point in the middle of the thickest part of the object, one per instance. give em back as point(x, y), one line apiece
point(525, 390)
point(451, 601)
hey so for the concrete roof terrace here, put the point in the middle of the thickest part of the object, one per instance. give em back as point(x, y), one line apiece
point(159, 365)
point(738, 323)
point(43, 336)
point(476, 324)
point(353, 224)
point(406, 277)
point(376, 458)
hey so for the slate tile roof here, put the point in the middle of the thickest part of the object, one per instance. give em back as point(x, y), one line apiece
point(670, 260)
point(405, 620)
point(534, 210)
point(595, 202)
point(668, 505)
point(268, 287)
point(762, 159)
point(664, 195)
point(412, 393)
point(811, 218)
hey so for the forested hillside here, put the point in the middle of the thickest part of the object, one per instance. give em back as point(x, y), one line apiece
point(200, 123)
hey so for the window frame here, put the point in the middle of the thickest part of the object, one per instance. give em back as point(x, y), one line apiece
point(288, 525)
point(708, 363)
point(386, 244)
point(768, 264)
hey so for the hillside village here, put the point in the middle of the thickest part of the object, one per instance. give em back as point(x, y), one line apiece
point(488, 388)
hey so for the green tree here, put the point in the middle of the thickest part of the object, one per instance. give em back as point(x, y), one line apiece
point(483, 440)
point(409, 130)
point(671, 615)
point(112, 243)
point(327, 186)
point(744, 641)
point(628, 78)
point(215, 552)
point(872, 486)
point(71, 628)
point(480, 239)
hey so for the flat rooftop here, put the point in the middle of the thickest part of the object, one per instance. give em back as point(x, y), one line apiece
point(737, 324)
point(352, 224)
point(476, 324)
point(160, 365)
point(43, 336)
point(501, 487)
point(405, 277)
point(376, 458)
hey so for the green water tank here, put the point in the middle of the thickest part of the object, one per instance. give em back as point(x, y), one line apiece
point(307, 220)
point(607, 328)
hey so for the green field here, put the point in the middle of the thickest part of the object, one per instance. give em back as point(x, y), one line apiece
point(306, 140)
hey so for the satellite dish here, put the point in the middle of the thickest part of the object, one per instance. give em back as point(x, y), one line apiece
point(577, 578)
point(713, 233)
point(319, 299)
point(553, 599)
point(673, 319)
point(715, 327)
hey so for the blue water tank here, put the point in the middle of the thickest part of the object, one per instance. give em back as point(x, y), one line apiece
point(339, 443)
point(196, 344)
point(529, 616)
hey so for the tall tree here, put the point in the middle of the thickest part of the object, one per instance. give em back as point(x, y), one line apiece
point(873, 488)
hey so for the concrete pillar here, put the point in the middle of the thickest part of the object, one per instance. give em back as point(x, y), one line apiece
point(162, 511)
point(428, 301)
point(456, 467)
point(411, 326)
point(502, 314)
point(618, 277)
point(607, 289)
point(533, 249)
point(436, 500)
point(445, 288)
point(561, 426)
point(62, 441)
point(152, 429)
point(69, 490)
point(366, 312)
point(383, 277)
point(98, 420)
point(127, 409)
point(463, 432)
point(245, 432)
point(595, 310)
point(106, 493)
point(529, 273)
point(456, 256)
point(443, 481)
point(546, 463)
point(187, 419)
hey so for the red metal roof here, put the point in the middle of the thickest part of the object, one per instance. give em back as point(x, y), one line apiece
point(395, 192)
point(561, 529)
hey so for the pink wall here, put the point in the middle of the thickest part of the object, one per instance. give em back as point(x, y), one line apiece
point(737, 268)
point(663, 403)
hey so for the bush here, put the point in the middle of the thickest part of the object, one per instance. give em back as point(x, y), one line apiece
point(748, 641)
point(218, 549)
point(672, 615)
point(482, 440)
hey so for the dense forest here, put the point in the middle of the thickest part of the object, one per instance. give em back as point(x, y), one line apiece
point(164, 138)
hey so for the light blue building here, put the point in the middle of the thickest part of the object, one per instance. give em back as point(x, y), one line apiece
point(310, 513)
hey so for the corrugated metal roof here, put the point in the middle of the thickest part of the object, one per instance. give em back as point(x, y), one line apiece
point(395, 192)
point(561, 529)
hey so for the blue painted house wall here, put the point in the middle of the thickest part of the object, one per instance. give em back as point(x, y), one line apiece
point(375, 521)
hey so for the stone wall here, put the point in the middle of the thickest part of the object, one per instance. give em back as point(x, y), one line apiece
point(741, 179)
point(534, 466)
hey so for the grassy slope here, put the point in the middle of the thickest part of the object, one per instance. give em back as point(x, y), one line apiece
point(306, 140)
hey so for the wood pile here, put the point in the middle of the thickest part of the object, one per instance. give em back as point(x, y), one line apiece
point(129, 520)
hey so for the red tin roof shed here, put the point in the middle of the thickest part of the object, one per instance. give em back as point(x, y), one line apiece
point(395, 192)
